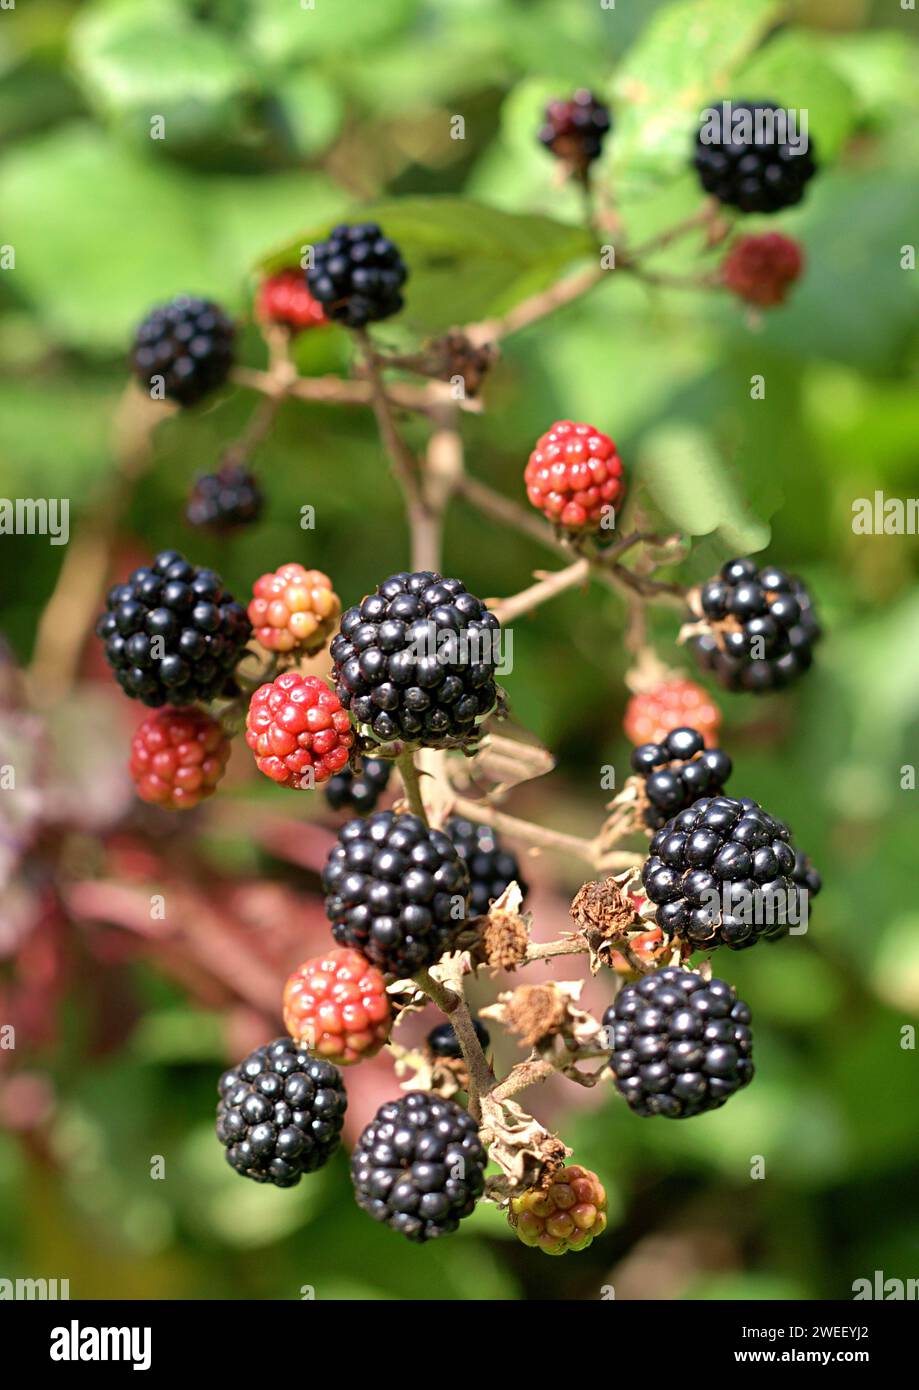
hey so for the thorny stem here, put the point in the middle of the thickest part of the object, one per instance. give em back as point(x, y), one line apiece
point(451, 1001)
point(411, 783)
point(541, 836)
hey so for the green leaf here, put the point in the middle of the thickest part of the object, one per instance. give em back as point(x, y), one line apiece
point(310, 109)
point(281, 31)
point(685, 59)
point(466, 261)
point(697, 491)
point(792, 71)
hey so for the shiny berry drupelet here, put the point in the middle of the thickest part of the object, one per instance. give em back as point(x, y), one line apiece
point(284, 299)
point(336, 1006)
point(416, 661)
point(172, 633)
point(677, 771)
point(680, 1044)
point(574, 129)
point(178, 757)
point(443, 1042)
point(721, 874)
point(223, 501)
point(761, 627)
point(293, 608)
point(575, 478)
point(396, 890)
point(564, 1215)
point(298, 731)
point(280, 1113)
point(491, 866)
point(361, 790)
point(419, 1166)
point(183, 350)
point(761, 269)
point(357, 275)
point(742, 158)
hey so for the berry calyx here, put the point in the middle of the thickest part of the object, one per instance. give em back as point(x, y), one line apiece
point(359, 790)
point(293, 608)
point(574, 129)
point(172, 633)
point(761, 269)
point(178, 757)
point(298, 731)
point(280, 1113)
point(336, 1006)
point(183, 350)
point(677, 771)
point(285, 300)
point(357, 275)
point(757, 626)
point(575, 478)
point(680, 1044)
point(419, 1166)
point(443, 1042)
point(491, 866)
point(222, 501)
point(397, 891)
point(564, 1215)
point(743, 156)
point(416, 660)
point(651, 714)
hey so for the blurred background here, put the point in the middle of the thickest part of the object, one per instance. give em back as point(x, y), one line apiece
point(277, 120)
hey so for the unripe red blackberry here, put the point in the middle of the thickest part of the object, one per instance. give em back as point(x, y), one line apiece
point(745, 161)
point(172, 633)
point(761, 269)
point(574, 129)
point(336, 1006)
point(293, 608)
point(223, 501)
point(178, 757)
point(357, 275)
point(575, 478)
point(283, 299)
point(564, 1215)
point(680, 1044)
point(298, 731)
point(419, 1166)
point(651, 714)
point(677, 771)
point(759, 626)
point(184, 348)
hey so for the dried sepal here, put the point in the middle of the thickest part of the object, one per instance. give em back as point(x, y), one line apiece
point(499, 764)
point(526, 1153)
point(505, 933)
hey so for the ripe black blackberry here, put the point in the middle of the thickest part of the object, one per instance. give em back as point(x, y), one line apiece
point(416, 661)
point(359, 791)
point(574, 130)
point(677, 772)
point(747, 165)
point(172, 633)
point(419, 1166)
point(681, 1045)
point(188, 344)
point(357, 275)
point(224, 500)
point(721, 874)
point(761, 626)
point(443, 1042)
point(491, 866)
point(396, 890)
point(805, 875)
point(280, 1113)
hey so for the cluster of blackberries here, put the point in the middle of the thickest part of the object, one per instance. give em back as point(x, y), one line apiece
point(416, 660)
point(762, 627)
point(396, 890)
point(491, 866)
point(361, 790)
point(680, 1045)
point(280, 1113)
point(722, 874)
point(574, 129)
point(419, 1166)
point(172, 633)
point(677, 772)
point(744, 157)
point(443, 1042)
point(183, 350)
point(357, 275)
point(224, 500)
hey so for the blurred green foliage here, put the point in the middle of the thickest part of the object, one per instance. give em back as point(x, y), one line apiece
point(279, 119)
